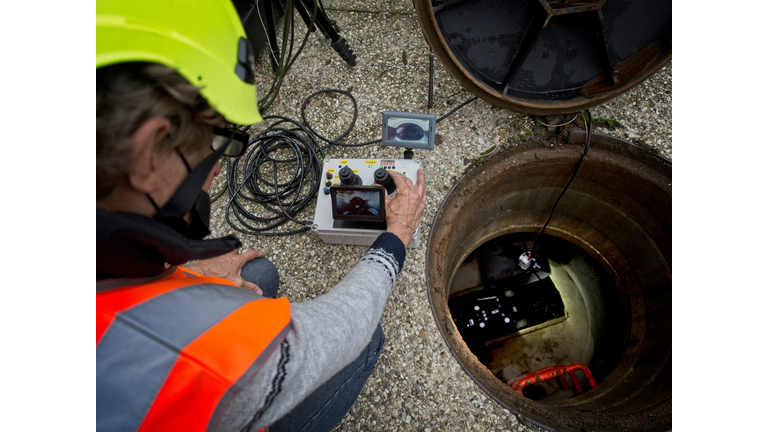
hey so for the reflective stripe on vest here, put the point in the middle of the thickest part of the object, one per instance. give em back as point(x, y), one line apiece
point(172, 354)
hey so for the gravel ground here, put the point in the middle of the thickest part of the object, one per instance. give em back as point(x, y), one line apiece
point(417, 384)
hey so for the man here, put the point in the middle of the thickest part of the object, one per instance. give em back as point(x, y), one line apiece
point(208, 347)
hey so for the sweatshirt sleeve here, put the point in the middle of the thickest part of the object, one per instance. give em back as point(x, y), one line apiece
point(325, 335)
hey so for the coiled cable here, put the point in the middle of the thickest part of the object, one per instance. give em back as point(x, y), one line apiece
point(280, 192)
point(337, 140)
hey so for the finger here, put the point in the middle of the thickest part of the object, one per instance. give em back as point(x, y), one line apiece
point(387, 198)
point(401, 181)
point(421, 183)
point(252, 286)
point(250, 255)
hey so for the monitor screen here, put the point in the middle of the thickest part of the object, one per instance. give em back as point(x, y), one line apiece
point(361, 203)
point(408, 130)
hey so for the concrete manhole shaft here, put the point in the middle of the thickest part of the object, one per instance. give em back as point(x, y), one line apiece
point(617, 217)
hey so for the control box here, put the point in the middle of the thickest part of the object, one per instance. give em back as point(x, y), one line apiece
point(354, 232)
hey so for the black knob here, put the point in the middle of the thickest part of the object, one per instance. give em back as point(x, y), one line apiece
point(328, 175)
point(328, 183)
point(326, 191)
point(382, 177)
point(349, 178)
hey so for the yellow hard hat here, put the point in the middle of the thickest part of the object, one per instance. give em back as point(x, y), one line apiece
point(203, 40)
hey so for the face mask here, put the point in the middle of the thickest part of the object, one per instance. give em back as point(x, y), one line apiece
point(190, 197)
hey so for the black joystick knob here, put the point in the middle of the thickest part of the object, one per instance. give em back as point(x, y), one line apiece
point(347, 177)
point(382, 177)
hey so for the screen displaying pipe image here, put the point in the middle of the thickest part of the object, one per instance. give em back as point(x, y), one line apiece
point(407, 129)
point(358, 203)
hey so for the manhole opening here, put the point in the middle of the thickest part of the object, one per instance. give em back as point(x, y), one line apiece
point(563, 310)
point(609, 253)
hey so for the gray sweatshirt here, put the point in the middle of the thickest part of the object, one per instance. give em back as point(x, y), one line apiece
point(325, 334)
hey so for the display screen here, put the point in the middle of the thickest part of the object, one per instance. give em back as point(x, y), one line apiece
point(402, 129)
point(362, 203)
point(409, 130)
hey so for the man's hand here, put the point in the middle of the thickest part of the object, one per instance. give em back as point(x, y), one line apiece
point(405, 209)
point(228, 267)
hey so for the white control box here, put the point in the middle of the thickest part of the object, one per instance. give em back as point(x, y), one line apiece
point(338, 232)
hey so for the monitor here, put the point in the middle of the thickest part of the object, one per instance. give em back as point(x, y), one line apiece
point(358, 203)
point(414, 131)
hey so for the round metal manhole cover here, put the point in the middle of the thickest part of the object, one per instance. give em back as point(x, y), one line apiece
point(548, 56)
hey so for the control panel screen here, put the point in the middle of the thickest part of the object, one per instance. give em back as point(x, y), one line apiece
point(360, 203)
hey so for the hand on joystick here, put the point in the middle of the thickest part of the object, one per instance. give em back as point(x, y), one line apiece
point(382, 177)
point(405, 209)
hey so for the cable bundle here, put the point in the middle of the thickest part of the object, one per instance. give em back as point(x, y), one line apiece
point(254, 179)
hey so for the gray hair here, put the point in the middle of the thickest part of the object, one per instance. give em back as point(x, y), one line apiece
point(129, 94)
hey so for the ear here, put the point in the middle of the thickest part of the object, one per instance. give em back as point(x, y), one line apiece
point(146, 142)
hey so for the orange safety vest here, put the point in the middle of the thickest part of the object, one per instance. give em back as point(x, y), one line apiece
point(172, 353)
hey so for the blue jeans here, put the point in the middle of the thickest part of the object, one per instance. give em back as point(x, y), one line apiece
point(322, 410)
point(263, 273)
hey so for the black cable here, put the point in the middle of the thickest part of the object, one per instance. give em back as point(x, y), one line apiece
point(334, 141)
point(456, 109)
point(250, 183)
point(431, 79)
point(287, 58)
point(576, 171)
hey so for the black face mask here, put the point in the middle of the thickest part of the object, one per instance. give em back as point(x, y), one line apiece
point(190, 197)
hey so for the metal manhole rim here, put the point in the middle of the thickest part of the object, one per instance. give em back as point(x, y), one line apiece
point(436, 41)
point(644, 154)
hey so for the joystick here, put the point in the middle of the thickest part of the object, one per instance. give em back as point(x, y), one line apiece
point(382, 177)
point(347, 177)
